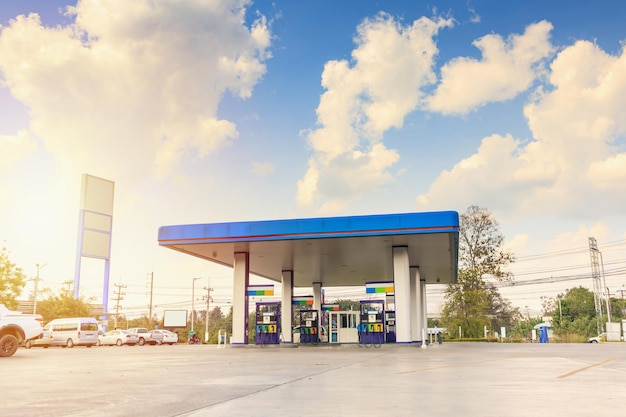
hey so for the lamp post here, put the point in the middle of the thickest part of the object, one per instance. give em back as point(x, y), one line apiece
point(206, 316)
point(608, 302)
point(36, 287)
point(193, 298)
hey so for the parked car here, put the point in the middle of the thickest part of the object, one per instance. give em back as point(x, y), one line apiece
point(597, 339)
point(45, 341)
point(147, 336)
point(169, 338)
point(118, 337)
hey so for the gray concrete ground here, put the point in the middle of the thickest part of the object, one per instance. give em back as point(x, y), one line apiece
point(453, 379)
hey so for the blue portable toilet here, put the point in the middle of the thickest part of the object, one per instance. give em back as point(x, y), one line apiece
point(543, 331)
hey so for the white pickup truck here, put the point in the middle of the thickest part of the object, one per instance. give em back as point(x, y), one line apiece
point(147, 336)
point(16, 328)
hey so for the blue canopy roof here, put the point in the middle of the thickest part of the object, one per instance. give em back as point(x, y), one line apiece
point(337, 251)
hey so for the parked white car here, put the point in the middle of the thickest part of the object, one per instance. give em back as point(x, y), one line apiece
point(118, 337)
point(597, 339)
point(169, 338)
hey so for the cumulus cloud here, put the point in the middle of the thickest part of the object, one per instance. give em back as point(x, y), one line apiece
point(575, 163)
point(137, 84)
point(14, 148)
point(501, 169)
point(364, 98)
point(506, 69)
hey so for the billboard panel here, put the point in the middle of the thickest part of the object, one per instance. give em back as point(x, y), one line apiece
point(96, 244)
point(97, 195)
point(174, 318)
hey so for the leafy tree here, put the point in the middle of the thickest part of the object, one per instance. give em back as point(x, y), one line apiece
point(617, 309)
point(472, 303)
point(12, 280)
point(63, 304)
point(480, 245)
point(143, 321)
point(574, 312)
point(223, 323)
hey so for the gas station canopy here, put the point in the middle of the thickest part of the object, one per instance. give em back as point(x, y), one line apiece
point(334, 251)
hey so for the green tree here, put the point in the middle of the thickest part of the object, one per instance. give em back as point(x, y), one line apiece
point(63, 304)
point(472, 302)
point(12, 280)
point(574, 312)
point(222, 322)
point(143, 321)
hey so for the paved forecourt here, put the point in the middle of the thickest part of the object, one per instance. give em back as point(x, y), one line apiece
point(471, 379)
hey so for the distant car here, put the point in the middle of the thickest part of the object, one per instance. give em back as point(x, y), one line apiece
point(118, 338)
point(597, 339)
point(169, 338)
point(45, 341)
point(147, 336)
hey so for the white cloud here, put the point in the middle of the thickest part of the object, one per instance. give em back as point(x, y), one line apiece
point(610, 171)
point(573, 168)
point(583, 120)
point(14, 148)
point(135, 84)
point(474, 17)
point(307, 186)
point(499, 171)
point(363, 99)
point(506, 69)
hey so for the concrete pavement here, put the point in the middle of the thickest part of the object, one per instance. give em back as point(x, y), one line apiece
point(469, 379)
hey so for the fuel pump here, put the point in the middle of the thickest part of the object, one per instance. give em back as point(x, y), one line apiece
point(267, 323)
point(372, 327)
point(309, 326)
point(390, 326)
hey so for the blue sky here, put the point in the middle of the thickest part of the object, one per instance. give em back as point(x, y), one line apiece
point(206, 111)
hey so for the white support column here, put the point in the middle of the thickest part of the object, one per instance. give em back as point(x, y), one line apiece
point(402, 291)
point(424, 305)
point(286, 308)
point(317, 296)
point(241, 275)
point(420, 295)
point(416, 305)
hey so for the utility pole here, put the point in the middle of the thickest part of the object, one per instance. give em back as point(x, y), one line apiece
point(193, 299)
point(36, 287)
point(69, 287)
point(119, 297)
point(596, 278)
point(206, 317)
point(151, 289)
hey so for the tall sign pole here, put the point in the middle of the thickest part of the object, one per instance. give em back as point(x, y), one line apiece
point(95, 224)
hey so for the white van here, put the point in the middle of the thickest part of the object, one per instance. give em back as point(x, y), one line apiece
point(75, 331)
